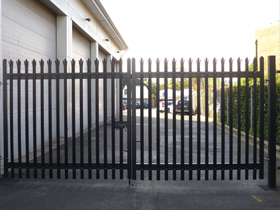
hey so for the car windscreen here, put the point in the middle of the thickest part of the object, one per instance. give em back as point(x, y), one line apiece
point(185, 102)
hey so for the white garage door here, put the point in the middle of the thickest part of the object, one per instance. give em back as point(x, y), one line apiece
point(81, 46)
point(29, 30)
point(80, 50)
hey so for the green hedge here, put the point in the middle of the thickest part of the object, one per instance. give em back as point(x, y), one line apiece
point(243, 108)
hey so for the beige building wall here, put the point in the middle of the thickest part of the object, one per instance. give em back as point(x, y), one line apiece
point(269, 44)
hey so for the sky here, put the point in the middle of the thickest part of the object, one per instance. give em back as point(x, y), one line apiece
point(191, 28)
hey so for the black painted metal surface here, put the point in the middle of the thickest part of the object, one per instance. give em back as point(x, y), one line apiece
point(132, 141)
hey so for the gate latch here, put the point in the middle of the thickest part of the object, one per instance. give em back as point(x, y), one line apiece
point(120, 125)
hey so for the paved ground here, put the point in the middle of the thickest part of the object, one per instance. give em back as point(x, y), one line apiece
point(118, 194)
point(110, 194)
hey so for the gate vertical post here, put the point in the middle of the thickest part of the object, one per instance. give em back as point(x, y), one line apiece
point(5, 123)
point(133, 121)
point(129, 119)
point(271, 122)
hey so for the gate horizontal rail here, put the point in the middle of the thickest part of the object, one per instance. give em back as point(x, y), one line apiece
point(117, 75)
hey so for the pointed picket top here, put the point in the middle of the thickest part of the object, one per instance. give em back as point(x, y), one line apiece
point(206, 62)
point(247, 60)
point(81, 63)
point(10, 62)
point(198, 64)
point(239, 64)
point(112, 65)
point(34, 62)
point(223, 60)
point(255, 64)
point(141, 61)
point(214, 64)
point(190, 64)
point(165, 65)
point(261, 65)
point(112, 62)
point(57, 62)
point(104, 61)
point(65, 63)
point(182, 61)
point(141, 65)
point(18, 62)
point(41, 62)
point(149, 65)
point(26, 62)
point(223, 64)
point(88, 62)
point(214, 60)
point(174, 65)
point(230, 63)
point(96, 61)
point(157, 61)
point(49, 62)
point(73, 61)
point(247, 64)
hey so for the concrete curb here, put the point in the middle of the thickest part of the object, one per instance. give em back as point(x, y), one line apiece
point(243, 134)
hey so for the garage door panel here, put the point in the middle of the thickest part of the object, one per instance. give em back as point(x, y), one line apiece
point(30, 29)
point(81, 46)
point(30, 15)
point(80, 50)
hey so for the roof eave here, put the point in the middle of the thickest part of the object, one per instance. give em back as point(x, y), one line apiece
point(98, 11)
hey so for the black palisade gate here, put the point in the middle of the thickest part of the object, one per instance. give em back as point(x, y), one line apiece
point(71, 124)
